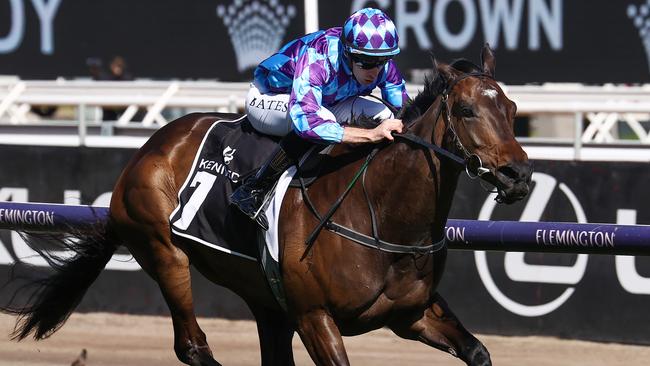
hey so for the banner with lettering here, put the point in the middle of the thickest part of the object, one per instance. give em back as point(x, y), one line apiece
point(215, 39)
point(588, 41)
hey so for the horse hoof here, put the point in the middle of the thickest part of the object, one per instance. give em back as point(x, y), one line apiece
point(204, 360)
point(479, 356)
point(201, 356)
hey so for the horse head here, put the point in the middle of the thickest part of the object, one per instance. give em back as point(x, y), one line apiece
point(475, 121)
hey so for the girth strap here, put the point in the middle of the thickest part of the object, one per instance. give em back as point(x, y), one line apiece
point(376, 243)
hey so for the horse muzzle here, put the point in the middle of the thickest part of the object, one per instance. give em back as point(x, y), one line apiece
point(513, 182)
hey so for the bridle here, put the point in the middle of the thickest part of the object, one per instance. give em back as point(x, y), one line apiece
point(471, 163)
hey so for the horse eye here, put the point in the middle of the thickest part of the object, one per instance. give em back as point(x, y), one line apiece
point(463, 111)
point(466, 111)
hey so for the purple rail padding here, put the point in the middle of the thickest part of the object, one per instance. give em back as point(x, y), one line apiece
point(557, 237)
point(47, 217)
point(516, 236)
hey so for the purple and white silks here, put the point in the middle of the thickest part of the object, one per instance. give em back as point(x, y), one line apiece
point(314, 71)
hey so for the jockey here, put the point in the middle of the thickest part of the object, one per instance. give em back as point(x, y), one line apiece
point(308, 91)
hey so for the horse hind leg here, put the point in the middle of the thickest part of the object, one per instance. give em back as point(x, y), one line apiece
point(438, 327)
point(142, 201)
point(168, 265)
point(144, 226)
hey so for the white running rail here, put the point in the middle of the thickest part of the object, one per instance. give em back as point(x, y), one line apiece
point(597, 111)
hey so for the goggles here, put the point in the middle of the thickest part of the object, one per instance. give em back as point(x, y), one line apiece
point(369, 62)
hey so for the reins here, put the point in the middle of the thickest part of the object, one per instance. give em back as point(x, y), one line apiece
point(374, 242)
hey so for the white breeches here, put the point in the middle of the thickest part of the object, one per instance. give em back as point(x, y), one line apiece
point(269, 113)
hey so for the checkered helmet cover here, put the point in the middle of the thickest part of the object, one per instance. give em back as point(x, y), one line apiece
point(370, 32)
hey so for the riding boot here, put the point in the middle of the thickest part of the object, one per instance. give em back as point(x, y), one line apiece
point(251, 196)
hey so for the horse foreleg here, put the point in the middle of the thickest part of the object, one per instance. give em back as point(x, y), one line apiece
point(169, 266)
point(440, 328)
point(275, 332)
point(322, 338)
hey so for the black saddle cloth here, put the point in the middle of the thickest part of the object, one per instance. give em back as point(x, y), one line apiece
point(231, 149)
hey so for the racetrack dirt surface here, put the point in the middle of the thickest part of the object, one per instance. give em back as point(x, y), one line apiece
point(128, 340)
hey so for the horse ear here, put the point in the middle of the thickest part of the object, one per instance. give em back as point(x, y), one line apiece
point(434, 63)
point(488, 60)
point(439, 76)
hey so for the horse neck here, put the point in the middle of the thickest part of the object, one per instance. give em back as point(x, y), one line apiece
point(426, 184)
point(449, 171)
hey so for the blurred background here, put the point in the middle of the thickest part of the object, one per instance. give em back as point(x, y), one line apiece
point(83, 84)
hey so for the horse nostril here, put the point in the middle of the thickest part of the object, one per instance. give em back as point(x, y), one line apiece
point(517, 171)
point(525, 172)
point(509, 172)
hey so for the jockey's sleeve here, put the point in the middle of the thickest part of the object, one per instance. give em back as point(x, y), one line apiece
point(393, 87)
point(310, 119)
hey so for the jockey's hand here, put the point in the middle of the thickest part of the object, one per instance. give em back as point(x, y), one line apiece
point(386, 129)
point(356, 135)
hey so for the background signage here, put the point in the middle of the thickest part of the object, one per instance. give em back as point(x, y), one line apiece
point(535, 40)
point(158, 39)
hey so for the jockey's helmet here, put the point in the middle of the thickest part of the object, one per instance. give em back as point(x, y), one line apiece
point(370, 32)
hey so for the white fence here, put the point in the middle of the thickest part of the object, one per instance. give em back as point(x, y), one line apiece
point(17, 97)
point(605, 109)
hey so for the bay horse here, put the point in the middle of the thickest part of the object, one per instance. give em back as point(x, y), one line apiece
point(336, 288)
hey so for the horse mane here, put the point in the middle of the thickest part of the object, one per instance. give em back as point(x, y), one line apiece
point(433, 86)
point(414, 108)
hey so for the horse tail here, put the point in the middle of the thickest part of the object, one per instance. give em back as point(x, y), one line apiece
point(53, 299)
